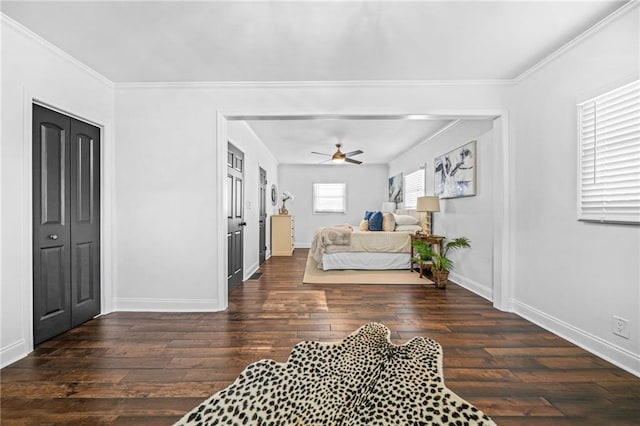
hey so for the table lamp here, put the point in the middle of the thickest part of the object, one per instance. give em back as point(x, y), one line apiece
point(428, 204)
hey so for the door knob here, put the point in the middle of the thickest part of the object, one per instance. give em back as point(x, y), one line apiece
point(53, 237)
point(243, 223)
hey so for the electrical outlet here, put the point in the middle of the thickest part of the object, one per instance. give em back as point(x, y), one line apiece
point(620, 327)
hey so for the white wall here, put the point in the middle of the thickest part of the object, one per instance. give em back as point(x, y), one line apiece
point(166, 206)
point(32, 68)
point(572, 276)
point(170, 151)
point(366, 190)
point(256, 155)
point(471, 217)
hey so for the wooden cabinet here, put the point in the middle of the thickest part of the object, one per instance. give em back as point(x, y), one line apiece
point(282, 237)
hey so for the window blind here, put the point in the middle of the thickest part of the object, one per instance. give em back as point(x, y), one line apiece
point(609, 156)
point(413, 188)
point(329, 197)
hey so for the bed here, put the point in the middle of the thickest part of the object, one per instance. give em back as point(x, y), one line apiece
point(343, 247)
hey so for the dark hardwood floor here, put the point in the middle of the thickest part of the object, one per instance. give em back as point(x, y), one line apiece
point(151, 368)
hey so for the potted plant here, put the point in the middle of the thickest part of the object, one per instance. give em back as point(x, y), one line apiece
point(423, 253)
point(440, 263)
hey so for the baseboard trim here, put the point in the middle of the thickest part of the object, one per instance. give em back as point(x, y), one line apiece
point(303, 245)
point(12, 353)
point(471, 285)
point(608, 351)
point(248, 271)
point(167, 305)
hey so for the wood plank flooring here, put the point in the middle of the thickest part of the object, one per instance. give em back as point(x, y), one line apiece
point(151, 368)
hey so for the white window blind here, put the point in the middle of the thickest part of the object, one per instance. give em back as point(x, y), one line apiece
point(413, 188)
point(609, 156)
point(329, 197)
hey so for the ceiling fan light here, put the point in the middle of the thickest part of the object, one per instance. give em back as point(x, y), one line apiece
point(339, 156)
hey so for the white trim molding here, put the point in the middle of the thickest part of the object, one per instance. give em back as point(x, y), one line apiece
point(222, 136)
point(630, 5)
point(166, 305)
point(471, 285)
point(306, 84)
point(250, 270)
point(503, 224)
point(16, 26)
point(13, 352)
point(606, 350)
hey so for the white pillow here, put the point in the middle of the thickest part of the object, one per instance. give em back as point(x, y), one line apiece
point(408, 228)
point(364, 225)
point(404, 219)
point(388, 222)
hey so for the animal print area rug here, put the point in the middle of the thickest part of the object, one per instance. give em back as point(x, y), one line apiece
point(363, 380)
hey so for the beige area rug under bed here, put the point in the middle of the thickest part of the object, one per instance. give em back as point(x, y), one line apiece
point(313, 275)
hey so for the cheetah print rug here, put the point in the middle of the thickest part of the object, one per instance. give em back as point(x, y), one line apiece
point(363, 380)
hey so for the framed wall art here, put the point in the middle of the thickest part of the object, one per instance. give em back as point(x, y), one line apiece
point(395, 189)
point(455, 172)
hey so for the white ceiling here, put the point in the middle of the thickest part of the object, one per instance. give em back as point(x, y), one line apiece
point(292, 141)
point(313, 41)
point(170, 41)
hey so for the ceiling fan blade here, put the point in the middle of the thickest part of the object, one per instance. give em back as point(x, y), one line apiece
point(352, 153)
point(351, 160)
point(321, 153)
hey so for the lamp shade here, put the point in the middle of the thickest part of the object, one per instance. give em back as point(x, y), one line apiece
point(428, 204)
point(388, 207)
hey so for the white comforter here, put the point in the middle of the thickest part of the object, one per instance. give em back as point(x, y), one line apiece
point(363, 241)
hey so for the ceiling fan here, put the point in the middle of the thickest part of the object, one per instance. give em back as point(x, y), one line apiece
point(340, 157)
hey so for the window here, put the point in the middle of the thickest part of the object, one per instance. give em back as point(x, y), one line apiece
point(609, 156)
point(329, 197)
point(413, 188)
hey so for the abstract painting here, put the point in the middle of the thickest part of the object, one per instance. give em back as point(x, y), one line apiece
point(395, 189)
point(455, 172)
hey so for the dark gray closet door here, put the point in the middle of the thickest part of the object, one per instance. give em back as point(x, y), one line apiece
point(66, 223)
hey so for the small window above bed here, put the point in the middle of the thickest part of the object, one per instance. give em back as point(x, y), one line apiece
point(329, 197)
point(413, 188)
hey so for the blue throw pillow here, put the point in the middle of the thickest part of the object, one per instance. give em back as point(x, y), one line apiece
point(367, 215)
point(375, 222)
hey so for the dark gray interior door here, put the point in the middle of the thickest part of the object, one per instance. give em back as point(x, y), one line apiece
point(85, 222)
point(262, 243)
point(235, 215)
point(66, 223)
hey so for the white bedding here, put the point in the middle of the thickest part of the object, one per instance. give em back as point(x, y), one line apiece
point(376, 242)
point(367, 261)
point(364, 242)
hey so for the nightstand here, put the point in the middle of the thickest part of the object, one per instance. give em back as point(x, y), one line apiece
point(436, 243)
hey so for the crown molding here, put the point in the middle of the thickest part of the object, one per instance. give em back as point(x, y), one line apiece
point(308, 84)
point(627, 7)
point(8, 22)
